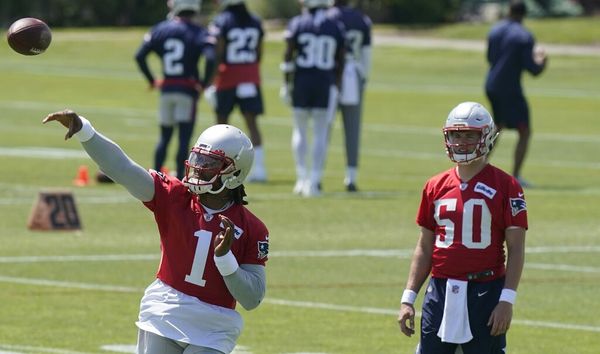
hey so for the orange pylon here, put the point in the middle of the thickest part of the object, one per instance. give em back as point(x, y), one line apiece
point(83, 177)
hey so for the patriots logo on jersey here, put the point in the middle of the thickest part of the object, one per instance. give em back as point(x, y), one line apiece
point(517, 205)
point(263, 249)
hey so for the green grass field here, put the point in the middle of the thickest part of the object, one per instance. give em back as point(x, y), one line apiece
point(338, 264)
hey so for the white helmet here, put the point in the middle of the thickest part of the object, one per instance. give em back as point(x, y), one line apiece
point(222, 152)
point(469, 116)
point(178, 6)
point(311, 4)
point(225, 3)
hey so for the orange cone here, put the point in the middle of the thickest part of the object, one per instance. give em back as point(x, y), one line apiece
point(83, 177)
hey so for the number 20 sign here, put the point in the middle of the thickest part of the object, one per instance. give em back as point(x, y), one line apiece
point(54, 210)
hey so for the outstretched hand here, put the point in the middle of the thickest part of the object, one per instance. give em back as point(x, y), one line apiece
point(224, 239)
point(68, 119)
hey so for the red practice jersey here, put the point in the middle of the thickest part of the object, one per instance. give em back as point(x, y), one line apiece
point(469, 221)
point(187, 233)
point(241, 38)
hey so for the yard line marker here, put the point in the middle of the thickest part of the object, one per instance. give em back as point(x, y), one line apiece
point(381, 253)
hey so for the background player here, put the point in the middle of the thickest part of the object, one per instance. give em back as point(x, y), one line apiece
point(467, 214)
point(356, 73)
point(313, 64)
point(510, 52)
point(239, 37)
point(180, 43)
point(213, 249)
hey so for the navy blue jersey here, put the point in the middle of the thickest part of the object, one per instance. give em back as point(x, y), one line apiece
point(317, 37)
point(180, 45)
point(510, 51)
point(242, 36)
point(358, 29)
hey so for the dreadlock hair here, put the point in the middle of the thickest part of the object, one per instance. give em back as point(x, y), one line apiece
point(238, 194)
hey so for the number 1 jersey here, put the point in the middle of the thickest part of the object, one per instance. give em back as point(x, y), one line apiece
point(187, 233)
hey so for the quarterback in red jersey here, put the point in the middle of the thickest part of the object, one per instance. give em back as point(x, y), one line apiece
point(213, 249)
point(467, 215)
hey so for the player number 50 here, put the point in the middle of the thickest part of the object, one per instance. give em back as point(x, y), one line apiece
point(467, 223)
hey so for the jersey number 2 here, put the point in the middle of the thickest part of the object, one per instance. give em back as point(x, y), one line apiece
point(467, 223)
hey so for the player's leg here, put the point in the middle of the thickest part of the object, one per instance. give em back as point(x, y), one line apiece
point(431, 319)
point(320, 144)
point(166, 120)
point(185, 115)
point(351, 110)
point(351, 116)
point(251, 108)
point(482, 298)
point(521, 124)
point(497, 115)
point(186, 131)
point(300, 146)
point(150, 343)
point(323, 113)
point(225, 103)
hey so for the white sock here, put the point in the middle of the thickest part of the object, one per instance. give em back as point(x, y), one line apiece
point(350, 175)
point(259, 158)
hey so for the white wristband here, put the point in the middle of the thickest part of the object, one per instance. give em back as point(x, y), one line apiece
point(408, 297)
point(508, 295)
point(226, 264)
point(86, 132)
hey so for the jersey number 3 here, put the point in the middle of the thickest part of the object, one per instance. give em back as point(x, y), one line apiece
point(467, 223)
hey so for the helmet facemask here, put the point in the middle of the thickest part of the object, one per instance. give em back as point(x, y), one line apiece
point(204, 171)
point(469, 149)
point(464, 118)
point(220, 159)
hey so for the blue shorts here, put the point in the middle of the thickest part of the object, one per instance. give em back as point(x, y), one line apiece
point(228, 99)
point(480, 309)
point(311, 91)
point(509, 111)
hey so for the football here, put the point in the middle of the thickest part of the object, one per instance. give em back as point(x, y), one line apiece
point(29, 36)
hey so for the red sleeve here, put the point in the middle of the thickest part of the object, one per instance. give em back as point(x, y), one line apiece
point(426, 212)
point(516, 210)
point(257, 243)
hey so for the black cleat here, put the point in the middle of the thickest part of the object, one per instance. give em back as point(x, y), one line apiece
point(351, 187)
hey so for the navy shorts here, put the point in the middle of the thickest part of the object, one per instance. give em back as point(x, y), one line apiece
point(509, 111)
point(480, 308)
point(228, 99)
point(311, 92)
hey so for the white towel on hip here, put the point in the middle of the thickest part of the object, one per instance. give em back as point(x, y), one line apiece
point(455, 327)
point(350, 94)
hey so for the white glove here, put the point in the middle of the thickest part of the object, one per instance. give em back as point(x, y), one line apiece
point(210, 96)
point(285, 93)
